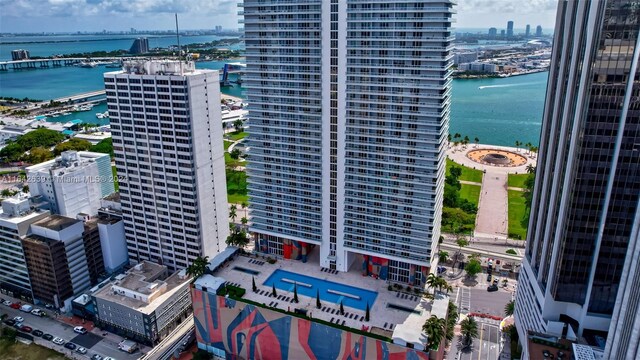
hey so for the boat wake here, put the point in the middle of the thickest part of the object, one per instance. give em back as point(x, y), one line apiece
point(508, 85)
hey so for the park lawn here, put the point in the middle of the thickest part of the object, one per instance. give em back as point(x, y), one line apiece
point(10, 350)
point(517, 213)
point(470, 193)
point(236, 187)
point(468, 174)
point(227, 144)
point(114, 172)
point(517, 180)
point(235, 136)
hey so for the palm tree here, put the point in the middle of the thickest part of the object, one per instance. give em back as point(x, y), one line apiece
point(244, 206)
point(449, 140)
point(531, 169)
point(509, 308)
point(198, 267)
point(461, 242)
point(435, 328)
point(477, 141)
point(432, 281)
point(443, 256)
point(457, 136)
point(528, 145)
point(244, 221)
point(469, 330)
point(466, 140)
point(518, 143)
point(232, 213)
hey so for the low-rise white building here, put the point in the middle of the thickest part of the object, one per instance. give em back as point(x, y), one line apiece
point(144, 304)
point(478, 67)
point(112, 237)
point(73, 183)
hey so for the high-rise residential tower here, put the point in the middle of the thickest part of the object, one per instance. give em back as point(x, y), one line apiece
point(538, 31)
point(509, 29)
point(493, 32)
point(349, 109)
point(167, 138)
point(583, 230)
point(527, 31)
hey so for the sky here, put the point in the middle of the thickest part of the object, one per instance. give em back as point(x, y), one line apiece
point(118, 15)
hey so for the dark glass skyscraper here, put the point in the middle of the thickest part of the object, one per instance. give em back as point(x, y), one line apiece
point(588, 183)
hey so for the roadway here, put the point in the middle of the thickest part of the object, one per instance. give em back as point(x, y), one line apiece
point(94, 341)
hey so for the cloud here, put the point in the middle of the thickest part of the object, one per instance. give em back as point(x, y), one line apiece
point(506, 6)
point(72, 8)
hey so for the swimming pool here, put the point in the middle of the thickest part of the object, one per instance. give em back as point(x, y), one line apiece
point(329, 291)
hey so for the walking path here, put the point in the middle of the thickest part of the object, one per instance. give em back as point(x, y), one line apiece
point(492, 217)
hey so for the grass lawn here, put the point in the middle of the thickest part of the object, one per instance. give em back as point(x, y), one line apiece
point(10, 350)
point(468, 174)
point(235, 136)
point(115, 178)
point(470, 192)
point(517, 213)
point(227, 144)
point(517, 180)
point(236, 187)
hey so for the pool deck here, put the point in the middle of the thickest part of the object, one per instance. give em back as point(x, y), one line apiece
point(389, 322)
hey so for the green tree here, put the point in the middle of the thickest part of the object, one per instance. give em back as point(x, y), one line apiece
point(366, 313)
point(432, 281)
point(237, 238)
point(469, 330)
point(198, 267)
point(452, 318)
point(238, 125)
point(253, 284)
point(295, 293)
point(25, 189)
point(435, 328)
point(244, 206)
point(318, 303)
point(233, 212)
point(6, 193)
point(477, 141)
point(531, 169)
point(72, 144)
point(473, 268)
point(38, 155)
point(244, 221)
point(509, 308)
point(104, 146)
point(201, 355)
point(512, 252)
point(443, 256)
point(235, 154)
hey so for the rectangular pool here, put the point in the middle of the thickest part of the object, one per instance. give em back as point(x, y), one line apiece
point(329, 291)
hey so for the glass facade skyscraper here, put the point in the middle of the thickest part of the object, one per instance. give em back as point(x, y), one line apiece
point(349, 109)
point(588, 182)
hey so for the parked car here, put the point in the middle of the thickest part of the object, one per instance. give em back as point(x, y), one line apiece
point(25, 328)
point(15, 306)
point(26, 308)
point(10, 322)
point(58, 341)
point(96, 357)
point(492, 288)
point(489, 278)
point(70, 346)
point(18, 319)
point(109, 358)
point(37, 333)
point(495, 281)
point(80, 330)
point(7, 303)
point(81, 350)
point(37, 312)
point(47, 337)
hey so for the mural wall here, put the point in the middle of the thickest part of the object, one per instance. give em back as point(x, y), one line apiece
point(251, 332)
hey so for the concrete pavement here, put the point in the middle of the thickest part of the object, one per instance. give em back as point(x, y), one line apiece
point(492, 217)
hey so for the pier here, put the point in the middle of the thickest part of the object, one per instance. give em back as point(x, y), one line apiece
point(78, 97)
point(27, 64)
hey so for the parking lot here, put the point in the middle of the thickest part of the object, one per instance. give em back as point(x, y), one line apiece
point(94, 342)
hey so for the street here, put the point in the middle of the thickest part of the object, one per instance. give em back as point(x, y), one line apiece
point(94, 342)
point(486, 347)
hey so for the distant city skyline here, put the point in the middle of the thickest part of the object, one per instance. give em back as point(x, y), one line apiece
point(97, 15)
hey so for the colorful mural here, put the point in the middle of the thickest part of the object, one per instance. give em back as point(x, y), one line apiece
point(295, 250)
point(250, 332)
point(375, 266)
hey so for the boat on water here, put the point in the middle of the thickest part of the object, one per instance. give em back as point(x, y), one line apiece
point(104, 115)
point(66, 113)
point(113, 65)
point(88, 64)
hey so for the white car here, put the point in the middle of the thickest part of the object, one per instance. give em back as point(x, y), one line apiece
point(80, 330)
point(58, 341)
point(18, 319)
point(8, 303)
point(81, 350)
point(37, 312)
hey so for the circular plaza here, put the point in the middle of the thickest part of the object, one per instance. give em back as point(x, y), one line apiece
point(497, 157)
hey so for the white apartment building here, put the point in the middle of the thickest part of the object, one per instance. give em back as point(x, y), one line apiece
point(348, 113)
point(72, 183)
point(165, 121)
point(15, 218)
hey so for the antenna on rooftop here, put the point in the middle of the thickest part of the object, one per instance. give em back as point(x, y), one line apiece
point(179, 48)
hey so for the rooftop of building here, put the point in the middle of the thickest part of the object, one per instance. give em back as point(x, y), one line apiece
point(164, 67)
point(18, 209)
point(37, 239)
point(68, 161)
point(541, 346)
point(395, 315)
point(115, 197)
point(57, 222)
point(145, 278)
